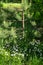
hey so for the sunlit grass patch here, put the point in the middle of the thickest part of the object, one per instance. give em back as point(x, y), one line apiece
point(16, 5)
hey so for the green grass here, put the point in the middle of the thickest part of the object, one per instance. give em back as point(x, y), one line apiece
point(15, 5)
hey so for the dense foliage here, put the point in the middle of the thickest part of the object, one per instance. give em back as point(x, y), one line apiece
point(14, 48)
